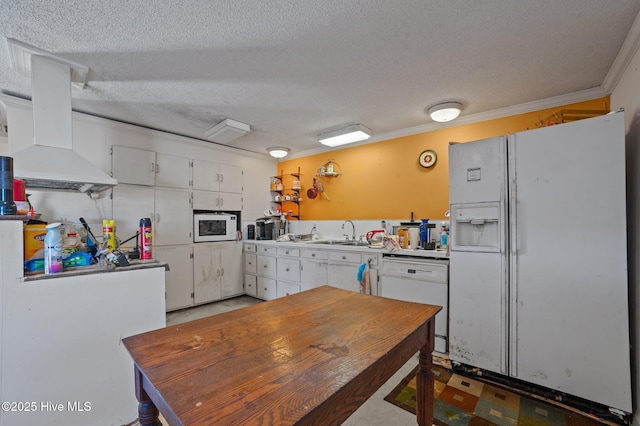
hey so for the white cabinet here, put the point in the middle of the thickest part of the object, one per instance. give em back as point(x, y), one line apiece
point(287, 289)
point(210, 176)
point(179, 277)
point(313, 268)
point(206, 200)
point(343, 269)
point(173, 217)
point(142, 167)
point(172, 171)
point(132, 165)
point(130, 204)
point(251, 285)
point(267, 288)
point(217, 271)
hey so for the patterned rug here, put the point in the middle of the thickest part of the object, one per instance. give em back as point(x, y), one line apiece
point(460, 400)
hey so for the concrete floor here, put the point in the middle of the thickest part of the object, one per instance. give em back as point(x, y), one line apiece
point(374, 412)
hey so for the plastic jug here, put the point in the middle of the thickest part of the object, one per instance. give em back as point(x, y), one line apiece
point(53, 249)
point(403, 237)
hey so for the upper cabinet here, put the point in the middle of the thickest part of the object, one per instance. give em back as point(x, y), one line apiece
point(141, 167)
point(210, 176)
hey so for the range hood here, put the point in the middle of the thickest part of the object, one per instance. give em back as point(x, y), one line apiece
point(51, 163)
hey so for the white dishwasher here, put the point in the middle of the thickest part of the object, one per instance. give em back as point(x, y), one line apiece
point(421, 280)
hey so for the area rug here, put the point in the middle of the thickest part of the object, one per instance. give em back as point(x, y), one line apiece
point(462, 401)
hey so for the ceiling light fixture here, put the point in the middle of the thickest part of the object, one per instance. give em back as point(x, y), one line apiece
point(278, 151)
point(226, 131)
point(350, 134)
point(445, 112)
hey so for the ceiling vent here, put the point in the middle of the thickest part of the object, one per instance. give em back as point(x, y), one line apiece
point(226, 131)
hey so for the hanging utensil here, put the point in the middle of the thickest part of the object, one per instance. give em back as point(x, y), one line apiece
point(320, 188)
point(312, 192)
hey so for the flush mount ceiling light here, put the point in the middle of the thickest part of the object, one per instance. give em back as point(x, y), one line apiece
point(445, 112)
point(226, 131)
point(347, 135)
point(278, 151)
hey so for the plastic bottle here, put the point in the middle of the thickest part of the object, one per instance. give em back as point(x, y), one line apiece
point(424, 233)
point(383, 225)
point(145, 239)
point(109, 234)
point(53, 249)
point(444, 237)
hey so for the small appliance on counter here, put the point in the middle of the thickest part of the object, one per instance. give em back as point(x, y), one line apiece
point(269, 228)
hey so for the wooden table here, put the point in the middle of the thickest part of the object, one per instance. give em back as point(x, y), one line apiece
point(307, 359)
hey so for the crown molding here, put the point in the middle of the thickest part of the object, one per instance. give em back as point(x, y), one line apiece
point(623, 59)
point(556, 101)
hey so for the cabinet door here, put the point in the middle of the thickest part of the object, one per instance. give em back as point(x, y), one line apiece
point(207, 275)
point(204, 200)
point(344, 276)
point(313, 274)
point(135, 166)
point(206, 175)
point(172, 171)
point(288, 269)
point(179, 277)
point(230, 202)
point(250, 263)
point(173, 219)
point(251, 285)
point(267, 266)
point(267, 288)
point(230, 178)
point(130, 204)
point(231, 268)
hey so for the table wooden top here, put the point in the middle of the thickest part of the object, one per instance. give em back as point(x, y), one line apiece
point(288, 361)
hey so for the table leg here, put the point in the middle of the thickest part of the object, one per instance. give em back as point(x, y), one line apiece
point(424, 379)
point(148, 414)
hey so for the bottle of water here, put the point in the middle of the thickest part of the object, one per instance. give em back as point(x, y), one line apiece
point(53, 249)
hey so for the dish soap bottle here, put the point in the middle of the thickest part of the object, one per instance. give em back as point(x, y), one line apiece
point(53, 249)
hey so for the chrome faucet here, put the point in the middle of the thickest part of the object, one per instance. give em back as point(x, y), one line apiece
point(353, 236)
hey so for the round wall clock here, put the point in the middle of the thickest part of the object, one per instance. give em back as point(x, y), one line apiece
point(427, 158)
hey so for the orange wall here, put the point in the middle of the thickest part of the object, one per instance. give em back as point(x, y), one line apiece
point(383, 180)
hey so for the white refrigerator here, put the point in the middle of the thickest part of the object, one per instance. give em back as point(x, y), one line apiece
point(538, 266)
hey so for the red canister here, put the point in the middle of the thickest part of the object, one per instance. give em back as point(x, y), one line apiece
point(145, 239)
point(19, 192)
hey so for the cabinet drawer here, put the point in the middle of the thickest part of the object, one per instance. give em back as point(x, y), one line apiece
point(313, 254)
point(345, 257)
point(267, 288)
point(250, 285)
point(287, 289)
point(266, 266)
point(289, 269)
point(250, 263)
point(288, 251)
point(267, 250)
point(249, 248)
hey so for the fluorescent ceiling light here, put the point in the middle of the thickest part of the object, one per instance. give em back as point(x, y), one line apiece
point(226, 131)
point(278, 151)
point(347, 135)
point(445, 112)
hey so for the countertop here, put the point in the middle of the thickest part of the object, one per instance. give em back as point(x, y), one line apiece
point(438, 254)
point(94, 269)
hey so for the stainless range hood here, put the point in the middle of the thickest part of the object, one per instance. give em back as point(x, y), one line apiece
point(51, 163)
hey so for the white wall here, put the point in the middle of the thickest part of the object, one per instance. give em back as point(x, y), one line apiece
point(93, 138)
point(626, 95)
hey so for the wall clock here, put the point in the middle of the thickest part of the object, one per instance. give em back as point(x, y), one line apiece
point(427, 158)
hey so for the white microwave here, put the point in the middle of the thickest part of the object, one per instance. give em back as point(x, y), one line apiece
point(208, 227)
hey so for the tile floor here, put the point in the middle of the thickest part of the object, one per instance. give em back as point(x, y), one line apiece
point(374, 412)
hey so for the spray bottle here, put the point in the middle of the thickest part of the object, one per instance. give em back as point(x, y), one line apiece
point(145, 239)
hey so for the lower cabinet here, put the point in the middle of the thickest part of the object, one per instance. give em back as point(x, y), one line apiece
point(179, 277)
point(267, 288)
point(217, 271)
point(201, 273)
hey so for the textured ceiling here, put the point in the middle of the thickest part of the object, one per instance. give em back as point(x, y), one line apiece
point(294, 69)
